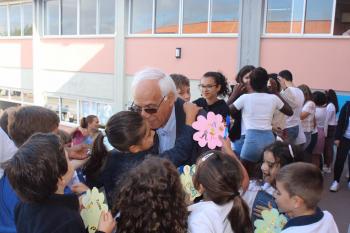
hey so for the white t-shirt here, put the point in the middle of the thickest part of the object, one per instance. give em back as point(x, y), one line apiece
point(308, 122)
point(331, 115)
point(208, 217)
point(325, 225)
point(295, 98)
point(320, 115)
point(7, 149)
point(258, 109)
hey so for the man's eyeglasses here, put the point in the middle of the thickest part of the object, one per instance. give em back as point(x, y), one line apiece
point(209, 87)
point(149, 110)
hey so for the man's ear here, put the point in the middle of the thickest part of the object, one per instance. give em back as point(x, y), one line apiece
point(134, 149)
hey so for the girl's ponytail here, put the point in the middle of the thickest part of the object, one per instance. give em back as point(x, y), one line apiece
point(97, 158)
point(239, 216)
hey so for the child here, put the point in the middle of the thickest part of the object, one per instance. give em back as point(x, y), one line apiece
point(182, 84)
point(259, 194)
point(213, 85)
point(152, 199)
point(38, 173)
point(219, 177)
point(299, 190)
point(132, 139)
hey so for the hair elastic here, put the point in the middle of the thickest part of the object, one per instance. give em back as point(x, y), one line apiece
point(107, 145)
point(235, 194)
point(291, 151)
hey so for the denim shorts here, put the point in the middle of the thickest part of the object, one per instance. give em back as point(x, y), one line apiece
point(254, 143)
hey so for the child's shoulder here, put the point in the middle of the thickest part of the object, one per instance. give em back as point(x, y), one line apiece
point(320, 222)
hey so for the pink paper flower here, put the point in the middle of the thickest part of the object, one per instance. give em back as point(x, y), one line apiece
point(209, 130)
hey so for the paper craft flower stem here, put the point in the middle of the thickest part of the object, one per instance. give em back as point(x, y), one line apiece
point(209, 130)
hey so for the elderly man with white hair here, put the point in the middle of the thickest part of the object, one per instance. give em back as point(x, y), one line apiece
point(155, 97)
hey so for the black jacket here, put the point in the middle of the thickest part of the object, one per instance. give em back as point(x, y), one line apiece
point(343, 121)
point(60, 213)
point(186, 150)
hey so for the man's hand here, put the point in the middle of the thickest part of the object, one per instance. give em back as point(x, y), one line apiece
point(107, 223)
point(191, 110)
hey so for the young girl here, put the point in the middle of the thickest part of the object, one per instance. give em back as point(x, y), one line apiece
point(307, 114)
point(151, 199)
point(128, 139)
point(257, 112)
point(237, 132)
point(212, 86)
point(275, 156)
point(87, 131)
point(331, 121)
point(219, 177)
point(320, 100)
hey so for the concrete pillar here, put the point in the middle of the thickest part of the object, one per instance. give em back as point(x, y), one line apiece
point(120, 99)
point(251, 24)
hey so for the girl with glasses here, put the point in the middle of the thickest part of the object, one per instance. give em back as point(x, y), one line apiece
point(212, 86)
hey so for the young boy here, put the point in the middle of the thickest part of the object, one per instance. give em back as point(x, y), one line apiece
point(182, 84)
point(39, 172)
point(299, 190)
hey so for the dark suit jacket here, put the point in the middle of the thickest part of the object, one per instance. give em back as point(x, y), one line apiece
point(343, 121)
point(186, 150)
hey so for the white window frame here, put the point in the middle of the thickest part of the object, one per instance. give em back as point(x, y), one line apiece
point(21, 101)
point(20, 3)
point(180, 26)
point(78, 104)
point(302, 34)
point(77, 35)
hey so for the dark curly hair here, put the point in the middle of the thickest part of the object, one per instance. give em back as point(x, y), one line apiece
point(243, 71)
point(151, 199)
point(219, 79)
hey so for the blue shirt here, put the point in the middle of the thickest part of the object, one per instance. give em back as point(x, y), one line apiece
point(167, 134)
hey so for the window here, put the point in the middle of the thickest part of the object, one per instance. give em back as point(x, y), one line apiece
point(88, 17)
point(27, 19)
point(52, 12)
point(69, 110)
point(95, 17)
point(196, 16)
point(107, 16)
point(15, 20)
point(318, 18)
point(4, 93)
point(3, 20)
point(167, 16)
point(141, 16)
point(342, 18)
point(299, 16)
point(16, 95)
point(53, 103)
point(225, 17)
point(101, 110)
point(195, 19)
point(69, 17)
point(28, 97)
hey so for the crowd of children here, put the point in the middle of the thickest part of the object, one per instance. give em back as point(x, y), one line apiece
point(280, 141)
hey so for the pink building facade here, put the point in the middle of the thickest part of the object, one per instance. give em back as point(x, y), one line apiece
point(78, 57)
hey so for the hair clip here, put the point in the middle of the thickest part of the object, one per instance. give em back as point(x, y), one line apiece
point(103, 132)
point(107, 145)
point(207, 156)
point(291, 151)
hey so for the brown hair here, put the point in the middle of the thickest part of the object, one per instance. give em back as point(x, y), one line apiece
point(6, 118)
point(151, 199)
point(304, 180)
point(29, 120)
point(85, 121)
point(221, 176)
point(123, 130)
point(180, 80)
point(307, 92)
point(35, 169)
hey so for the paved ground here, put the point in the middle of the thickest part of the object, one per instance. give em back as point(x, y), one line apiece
point(338, 203)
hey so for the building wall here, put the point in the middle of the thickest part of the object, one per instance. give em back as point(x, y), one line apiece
point(319, 63)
